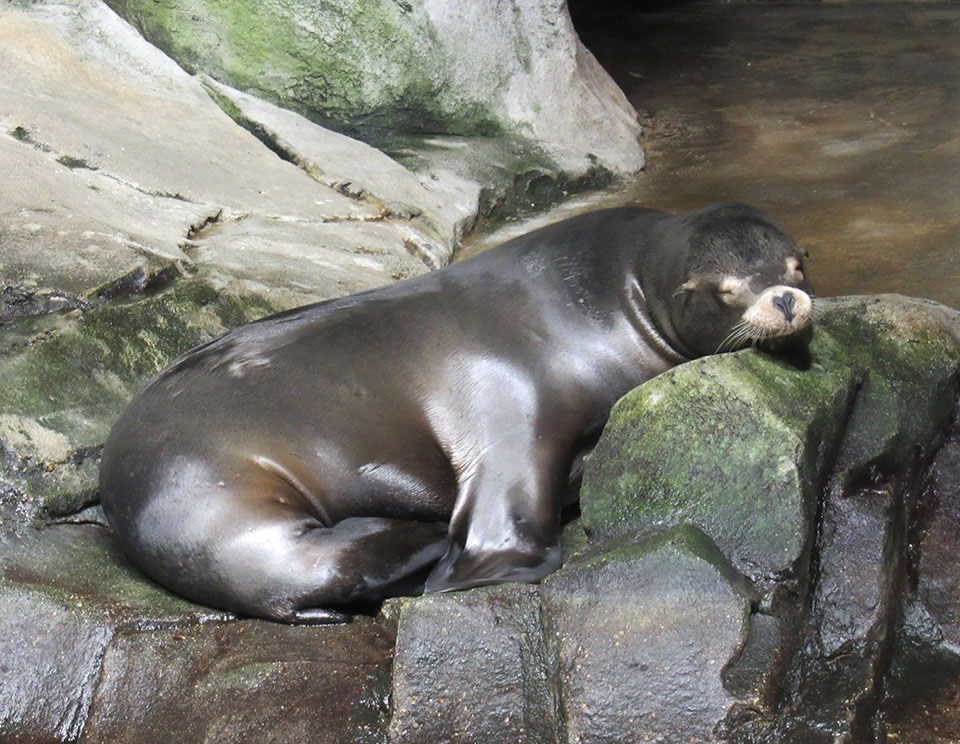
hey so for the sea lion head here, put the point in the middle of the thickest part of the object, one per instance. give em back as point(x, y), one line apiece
point(726, 278)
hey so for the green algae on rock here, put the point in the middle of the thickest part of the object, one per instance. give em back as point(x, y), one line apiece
point(741, 444)
point(61, 392)
point(746, 482)
point(376, 69)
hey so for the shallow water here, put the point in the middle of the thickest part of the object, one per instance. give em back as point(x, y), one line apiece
point(840, 122)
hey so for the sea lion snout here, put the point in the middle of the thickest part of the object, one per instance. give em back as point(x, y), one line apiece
point(778, 311)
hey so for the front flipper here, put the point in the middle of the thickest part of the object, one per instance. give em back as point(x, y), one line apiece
point(464, 570)
point(505, 527)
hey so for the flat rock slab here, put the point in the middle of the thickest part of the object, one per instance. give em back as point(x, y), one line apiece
point(441, 207)
point(118, 157)
point(92, 651)
point(243, 681)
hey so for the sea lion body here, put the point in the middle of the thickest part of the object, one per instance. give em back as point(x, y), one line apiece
point(429, 432)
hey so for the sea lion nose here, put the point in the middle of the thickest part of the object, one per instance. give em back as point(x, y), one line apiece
point(785, 304)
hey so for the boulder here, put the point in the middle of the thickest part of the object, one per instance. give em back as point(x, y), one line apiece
point(609, 649)
point(807, 475)
point(924, 682)
point(514, 72)
point(138, 220)
point(642, 632)
point(474, 666)
point(771, 433)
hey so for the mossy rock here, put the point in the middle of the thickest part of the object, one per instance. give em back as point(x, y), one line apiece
point(79, 567)
point(741, 444)
point(386, 71)
point(61, 391)
point(352, 66)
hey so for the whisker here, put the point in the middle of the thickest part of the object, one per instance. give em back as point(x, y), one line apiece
point(738, 329)
point(740, 332)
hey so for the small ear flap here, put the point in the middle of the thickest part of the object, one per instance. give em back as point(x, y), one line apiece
point(691, 285)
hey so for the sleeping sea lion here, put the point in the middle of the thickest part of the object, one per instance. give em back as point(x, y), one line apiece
point(428, 434)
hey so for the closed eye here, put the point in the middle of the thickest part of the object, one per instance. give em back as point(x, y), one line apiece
point(726, 295)
point(729, 288)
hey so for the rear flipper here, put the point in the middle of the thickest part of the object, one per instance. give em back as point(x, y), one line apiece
point(279, 564)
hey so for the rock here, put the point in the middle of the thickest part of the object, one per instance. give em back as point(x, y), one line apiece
point(444, 206)
point(770, 434)
point(642, 634)
point(92, 652)
point(920, 704)
point(49, 668)
point(807, 478)
point(373, 70)
point(62, 389)
point(233, 682)
point(910, 351)
point(614, 640)
point(763, 431)
point(131, 231)
point(473, 666)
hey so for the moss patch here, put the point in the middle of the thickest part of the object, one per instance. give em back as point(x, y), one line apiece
point(353, 66)
point(78, 566)
point(61, 393)
point(740, 444)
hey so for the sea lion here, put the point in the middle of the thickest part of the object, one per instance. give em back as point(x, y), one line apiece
point(426, 435)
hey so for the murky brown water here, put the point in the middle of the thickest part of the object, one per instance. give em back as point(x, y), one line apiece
point(840, 122)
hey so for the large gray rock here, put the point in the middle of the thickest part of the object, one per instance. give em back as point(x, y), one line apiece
point(137, 219)
point(881, 382)
point(515, 70)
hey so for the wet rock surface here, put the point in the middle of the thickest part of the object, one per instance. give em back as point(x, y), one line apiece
point(666, 620)
point(441, 693)
point(813, 600)
point(94, 652)
point(642, 633)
